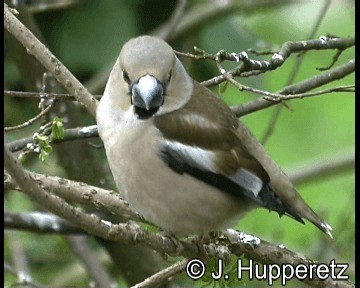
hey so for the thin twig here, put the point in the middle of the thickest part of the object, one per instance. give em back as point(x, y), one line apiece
point(163, 275)
point(202, 56)
point(80, 247)
point(69, 135)
point(334, 60)
point(260, 53)
point(272, 122)
point(40, 7)
point(279, 97)
point(251, 73)
point(294, 72)
point(32, 120)
point(277, 59)
point(39, 222)
point(24, 283)
point(311, 35)
point(166, 29)
point(301, 87)
point(239, 86)
point(192, 19)
point(19, 257)
point(195, 17)
point(206, 11)
point(37, 95)
point(330, 166)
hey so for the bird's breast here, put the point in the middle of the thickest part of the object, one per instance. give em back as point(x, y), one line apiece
point(176, 202)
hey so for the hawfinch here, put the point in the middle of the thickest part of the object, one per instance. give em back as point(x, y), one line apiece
point(173, 147)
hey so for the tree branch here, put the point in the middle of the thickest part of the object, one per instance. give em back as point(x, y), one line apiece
point(204, 13)
point(278, 97)
point(69, 135)
point(25, 282)
point(39, 222)
point(90, 223)
point(38, 95)
point(19, 258)
point(32, 120)
point(80, 247)
point(193, 19)
point(128, 232)
point(165, 30)
point(334, 60)
point(77, 192)
point(132, 233)
point(301, 87)
point(231, 242)
point(80, 193)
point(163, 275)
point(296, 68)
point(49, 61)
point(317, 23)
point(323, 168)
point(268, 253)
point(277, 59)
point(91, 196)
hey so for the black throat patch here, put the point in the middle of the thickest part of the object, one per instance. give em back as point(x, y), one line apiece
point(143, 113)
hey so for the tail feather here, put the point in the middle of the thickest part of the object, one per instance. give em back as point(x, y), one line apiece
point(271, 201)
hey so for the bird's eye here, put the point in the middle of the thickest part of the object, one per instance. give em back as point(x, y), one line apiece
point(126, 76)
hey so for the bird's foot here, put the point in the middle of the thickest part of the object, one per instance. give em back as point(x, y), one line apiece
point(178, 247)
point(199, 241)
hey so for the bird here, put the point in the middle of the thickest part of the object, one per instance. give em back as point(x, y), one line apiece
point(174, 149)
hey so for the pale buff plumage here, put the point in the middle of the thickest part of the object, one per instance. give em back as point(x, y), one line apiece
point(177, 157)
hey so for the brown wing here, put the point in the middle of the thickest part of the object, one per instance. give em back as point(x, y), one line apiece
point(205, 122)
point(208, 123)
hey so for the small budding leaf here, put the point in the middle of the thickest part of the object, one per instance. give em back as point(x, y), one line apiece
point(44, 147)
point(57, 131)
point(44, 153)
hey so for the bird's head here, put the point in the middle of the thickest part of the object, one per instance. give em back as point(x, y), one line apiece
point(150, 78)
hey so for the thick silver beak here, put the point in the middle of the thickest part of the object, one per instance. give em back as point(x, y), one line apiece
point(147, 93)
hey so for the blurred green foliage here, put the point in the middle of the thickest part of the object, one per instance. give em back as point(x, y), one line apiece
point(87, 38)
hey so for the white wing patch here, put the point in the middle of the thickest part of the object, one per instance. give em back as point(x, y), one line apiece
point(204, 160)
point(194, 156)
point(248, 180)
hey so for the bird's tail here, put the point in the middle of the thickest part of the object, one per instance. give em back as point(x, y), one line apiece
point(297, 210)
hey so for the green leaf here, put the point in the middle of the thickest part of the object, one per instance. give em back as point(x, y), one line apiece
point(43, 142)
point(42, 139)
point(57, 131)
